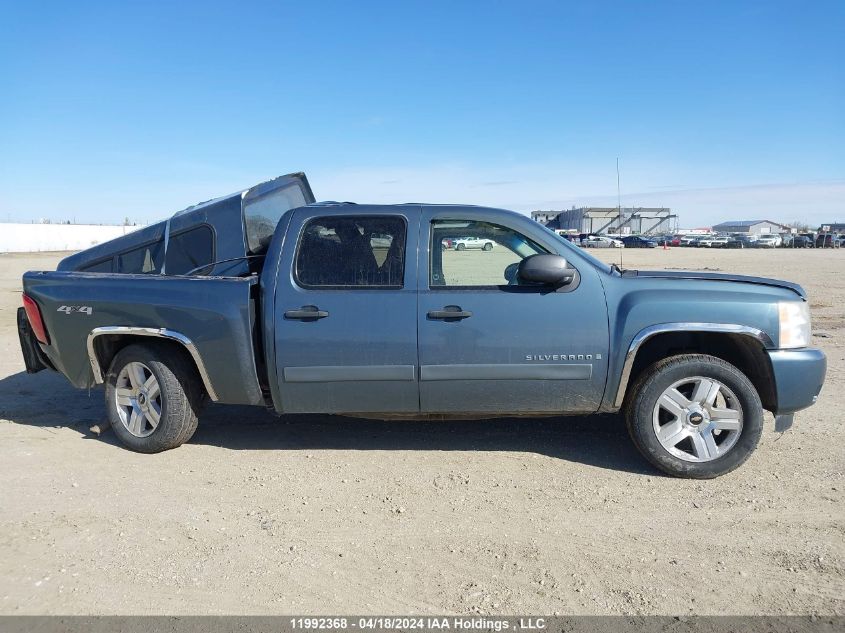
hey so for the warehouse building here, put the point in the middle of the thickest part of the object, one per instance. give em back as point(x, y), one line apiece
point(752, 227)
point(603, 220)
point(833, 227)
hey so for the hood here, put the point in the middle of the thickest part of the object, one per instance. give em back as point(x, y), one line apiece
point(714, 276)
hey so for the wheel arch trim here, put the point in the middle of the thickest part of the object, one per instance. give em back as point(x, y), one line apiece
point(164, 333)
point(653, 330)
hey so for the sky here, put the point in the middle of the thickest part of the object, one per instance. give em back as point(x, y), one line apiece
point(720, 110)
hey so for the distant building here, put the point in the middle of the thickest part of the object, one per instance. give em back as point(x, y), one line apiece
point(544, 217)
point(752, 227)
point(833, 227)
point(603, 220)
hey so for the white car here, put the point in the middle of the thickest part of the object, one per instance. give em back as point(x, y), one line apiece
point(769, 241)
point(600, 241)
point(465, 243)
point(715, 242)
point(689, 240)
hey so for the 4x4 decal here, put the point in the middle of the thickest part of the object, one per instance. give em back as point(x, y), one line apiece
point(71, 309)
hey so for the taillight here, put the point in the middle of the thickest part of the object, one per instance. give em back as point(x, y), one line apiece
point(33, 313)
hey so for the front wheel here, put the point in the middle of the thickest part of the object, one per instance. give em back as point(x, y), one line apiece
point(153, 397)
point(694, 416)
point(487, 247)
point(460, 247)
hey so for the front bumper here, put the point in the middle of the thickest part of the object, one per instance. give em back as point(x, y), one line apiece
point(799, 376)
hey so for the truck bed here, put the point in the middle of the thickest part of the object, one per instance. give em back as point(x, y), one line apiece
point(215, 314)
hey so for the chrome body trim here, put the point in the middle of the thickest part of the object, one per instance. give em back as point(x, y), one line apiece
point(350, 373)
point(153, 332)
point(534, 371)
point(646, 333)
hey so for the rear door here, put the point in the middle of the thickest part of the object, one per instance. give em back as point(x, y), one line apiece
point(488, 344)
point(346, 307)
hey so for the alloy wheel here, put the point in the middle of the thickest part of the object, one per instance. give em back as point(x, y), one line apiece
point(138, 398)
point(697, 419)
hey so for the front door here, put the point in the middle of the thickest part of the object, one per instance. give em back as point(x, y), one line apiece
point(345, 320)
point(489, 344)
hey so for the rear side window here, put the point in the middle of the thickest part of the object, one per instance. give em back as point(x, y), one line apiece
point(142, 261)
point(352, 251)
point(189, 250)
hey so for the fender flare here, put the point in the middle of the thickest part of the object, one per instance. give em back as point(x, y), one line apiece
point(151, 332)
point(646, 333)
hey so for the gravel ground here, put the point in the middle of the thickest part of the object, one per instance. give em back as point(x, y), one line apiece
point(315, 514)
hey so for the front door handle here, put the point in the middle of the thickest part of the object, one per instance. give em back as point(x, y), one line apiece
point(306, 313)
point(450, 312)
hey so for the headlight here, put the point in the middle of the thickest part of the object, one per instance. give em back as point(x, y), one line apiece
point(794, 319)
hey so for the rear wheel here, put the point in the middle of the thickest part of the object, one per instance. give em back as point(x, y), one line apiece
point(153, 397)
point(694, 416)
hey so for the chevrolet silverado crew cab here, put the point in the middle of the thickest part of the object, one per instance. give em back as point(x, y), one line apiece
point(267, 298)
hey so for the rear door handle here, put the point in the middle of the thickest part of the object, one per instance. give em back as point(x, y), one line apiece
point(306, 313)
point(450, 312)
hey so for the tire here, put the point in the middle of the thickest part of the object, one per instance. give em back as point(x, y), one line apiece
point(691, 453)
point(460, 247)
point(175, 397)
point(487, 247)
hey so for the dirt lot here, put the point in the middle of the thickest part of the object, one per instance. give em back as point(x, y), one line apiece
point(314, 514)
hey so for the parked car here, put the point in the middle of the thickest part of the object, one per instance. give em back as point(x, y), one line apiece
point(601, 241)
point(740, 241)
point(829, 240)
point(769, 241)
point(690, 240)
point(466, 243)
point(718, 241)
point(638, 241)
point(323, 325)
point(668, 240)
point(797, 241)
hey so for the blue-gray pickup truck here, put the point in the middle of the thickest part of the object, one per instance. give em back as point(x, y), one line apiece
point(268, 298)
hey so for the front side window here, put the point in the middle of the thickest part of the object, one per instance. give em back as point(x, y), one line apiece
point(477, 254)
point(141, 261)
point(351, 251)
point(189, 250)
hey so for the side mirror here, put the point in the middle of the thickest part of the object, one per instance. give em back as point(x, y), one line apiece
point(550, 270)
